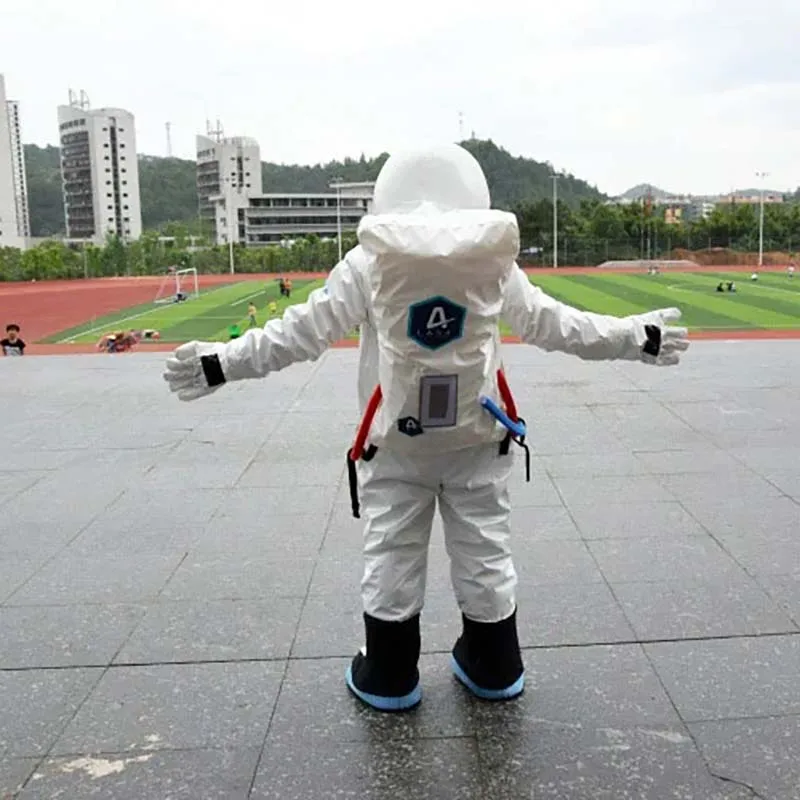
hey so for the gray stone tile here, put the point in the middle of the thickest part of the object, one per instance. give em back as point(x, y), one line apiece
point(36, 541)
point(686, 560)
point(37, 704)
point(215, 630)
point(730, 607)
point(14, 772)
point(786, 481)
point(761, 753)
point(279, 536)
point(743, 485)
point(14, 572)
point(75, 579)
point(559, 762)
point(157, 507)
point(730, 515)
point(581, 686)
point(165, 707)
point(643, 520)
point(334, 575)
point(766, 554)
point(728, 678)
point(539, 491)
point(20, 479)
point(103, 540)
point(216, 774)
point(236, 577)
point(542, 523)
point(541, 563)
point(591, 465)
point(768, 459)
point(316, 706)
point(567, 614)
point(594, 491)
point(269, 473)
point(686, 462)
point(785, 591)
point(415, 769)
point(264, 502)
point(63, 636)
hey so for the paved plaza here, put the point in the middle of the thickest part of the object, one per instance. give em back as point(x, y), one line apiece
point(179, 589)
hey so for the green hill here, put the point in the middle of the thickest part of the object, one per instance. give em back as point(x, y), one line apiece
point(168, 184)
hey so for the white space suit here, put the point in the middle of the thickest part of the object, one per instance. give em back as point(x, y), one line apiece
point(431, 208)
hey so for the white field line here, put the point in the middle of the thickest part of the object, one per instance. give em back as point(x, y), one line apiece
point(109, 326)
point(245, 299)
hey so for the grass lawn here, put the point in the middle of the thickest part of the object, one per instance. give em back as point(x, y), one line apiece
point(773, 302)
point(206, 317)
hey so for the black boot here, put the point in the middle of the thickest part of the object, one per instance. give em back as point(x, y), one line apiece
point(487, 660)
point(384, 675)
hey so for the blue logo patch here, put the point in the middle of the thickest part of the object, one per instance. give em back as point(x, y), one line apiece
point(409, 426)
point(435, 322)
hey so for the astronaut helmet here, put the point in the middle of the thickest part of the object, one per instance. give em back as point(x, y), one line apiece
point(437, 179)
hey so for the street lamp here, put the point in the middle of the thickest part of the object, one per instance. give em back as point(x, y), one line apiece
point(761, 175)
point(338, 183)
point(229, 218)
point(555, 221)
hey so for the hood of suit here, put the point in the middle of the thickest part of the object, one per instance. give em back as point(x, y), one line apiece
point(444, 178)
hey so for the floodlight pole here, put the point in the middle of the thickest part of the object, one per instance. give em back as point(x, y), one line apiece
point(555, 221)
point(229, 208)
point(338, 182)
point(761, 175)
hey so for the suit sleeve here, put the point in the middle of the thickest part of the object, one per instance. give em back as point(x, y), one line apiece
point(541, 320)
point(304, 332)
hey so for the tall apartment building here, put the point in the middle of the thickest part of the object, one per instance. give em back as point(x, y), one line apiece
point(14, 217)
point(99, 171)
point(228, 175)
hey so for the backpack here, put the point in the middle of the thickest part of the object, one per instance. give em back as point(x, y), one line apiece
point(437, 284)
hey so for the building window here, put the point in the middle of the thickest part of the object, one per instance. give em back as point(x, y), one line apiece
point(126, 219)
point(125, 208)
point(108, 158)
point(124, 194)
point(108, 183)
point(110, 208)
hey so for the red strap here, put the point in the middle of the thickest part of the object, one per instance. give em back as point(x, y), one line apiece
point(506, 396)
point(366, 423)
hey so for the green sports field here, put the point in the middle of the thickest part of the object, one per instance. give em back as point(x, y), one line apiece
point(771, 303)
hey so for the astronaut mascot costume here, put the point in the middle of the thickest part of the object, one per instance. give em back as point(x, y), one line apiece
point(432, 277)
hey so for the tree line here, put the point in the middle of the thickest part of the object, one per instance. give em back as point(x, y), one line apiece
point(587, 235)
point(168, 185)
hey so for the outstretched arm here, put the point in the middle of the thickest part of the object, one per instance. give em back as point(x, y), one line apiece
point(543, 321)
point(304, 332)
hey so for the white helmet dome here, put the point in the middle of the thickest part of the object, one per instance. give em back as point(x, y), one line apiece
point(446, 177)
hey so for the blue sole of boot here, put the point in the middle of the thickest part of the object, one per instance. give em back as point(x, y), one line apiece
point(380, 703)
point(487, 694)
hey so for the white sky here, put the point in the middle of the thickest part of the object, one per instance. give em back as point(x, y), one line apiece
point(691, 95)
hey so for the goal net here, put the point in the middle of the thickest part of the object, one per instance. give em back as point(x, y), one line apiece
point(178, 285)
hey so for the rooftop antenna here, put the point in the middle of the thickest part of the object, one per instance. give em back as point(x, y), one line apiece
point(84, 102)
point(214, 133)
point(460, 126)
point(168, 125)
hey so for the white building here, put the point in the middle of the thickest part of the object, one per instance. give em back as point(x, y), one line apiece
point(227, 169)
point(280, 217)
point(14, 217)
point(100, 172)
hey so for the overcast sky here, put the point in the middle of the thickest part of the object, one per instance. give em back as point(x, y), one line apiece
point(691, 95)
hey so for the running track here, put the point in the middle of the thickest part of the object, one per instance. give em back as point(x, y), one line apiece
point(47, 307)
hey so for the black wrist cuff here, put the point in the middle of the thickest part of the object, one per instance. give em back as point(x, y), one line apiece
point(653, 344)
point(212, 369)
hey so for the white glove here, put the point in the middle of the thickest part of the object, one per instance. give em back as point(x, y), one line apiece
point(663, 343)
point(195, 370)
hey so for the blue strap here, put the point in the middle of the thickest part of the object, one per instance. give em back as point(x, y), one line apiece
point(517, 429)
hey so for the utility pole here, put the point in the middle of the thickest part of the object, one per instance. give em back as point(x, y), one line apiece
point(762, 176)
point(338, 183)
point(555, 220)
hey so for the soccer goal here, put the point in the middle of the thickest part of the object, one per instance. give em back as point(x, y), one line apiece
point(178, 285)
